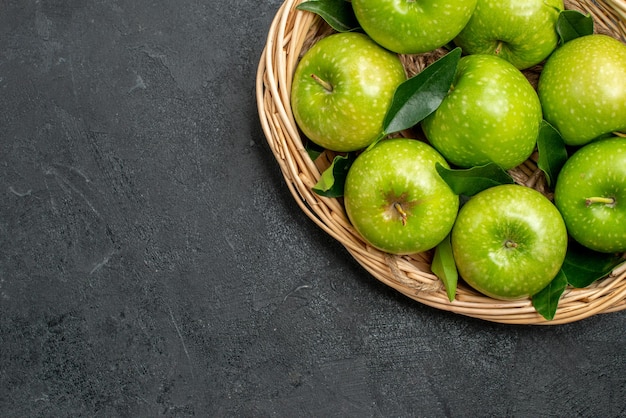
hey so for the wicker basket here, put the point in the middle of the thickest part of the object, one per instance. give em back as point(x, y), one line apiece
point(289, 36)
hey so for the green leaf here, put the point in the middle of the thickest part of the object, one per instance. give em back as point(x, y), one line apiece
point(333, 179)
point(552, 152)
point(313, 150)
point(546, 301)
point(421, 94)
point(470, 181)
point(572, 24)
point(583, 266)
point(337, 13)
point(444, 267)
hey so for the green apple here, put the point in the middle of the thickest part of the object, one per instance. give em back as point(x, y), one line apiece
point(509, 241)
point(395, 198)
point(520, 31)
point(590, 192)
point(413, 27)
point(491, 114)
point(341, 90)
point(582, 88)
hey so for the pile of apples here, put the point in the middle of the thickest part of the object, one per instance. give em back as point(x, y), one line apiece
point(508, 241)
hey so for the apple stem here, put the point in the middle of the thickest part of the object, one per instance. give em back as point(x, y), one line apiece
point(403, 215)
point(510, 244)
point(327, 86)
point(609, 201)
point(498, 48)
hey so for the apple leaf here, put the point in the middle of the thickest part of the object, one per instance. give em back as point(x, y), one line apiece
point(552, 152)
point(572, 24)
point(333, 179)
point(313, 150)
point(337, 13)
point(583, 266)
point(421, 94)
point(470, 181)
point(546, 301)
point(444, 267)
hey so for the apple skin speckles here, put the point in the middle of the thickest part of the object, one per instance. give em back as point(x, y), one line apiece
point(363, 77)
point(492, 115)
point(521, 32)
point(595, 170)
point(509, 241)
point(413, 27)
point(400, 171)
point(582, 89)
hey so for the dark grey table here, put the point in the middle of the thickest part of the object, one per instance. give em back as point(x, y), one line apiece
point(153, 263)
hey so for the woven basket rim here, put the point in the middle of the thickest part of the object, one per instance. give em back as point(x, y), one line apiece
point(289, 35)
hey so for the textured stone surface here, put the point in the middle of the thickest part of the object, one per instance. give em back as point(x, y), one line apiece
point(152, 262)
